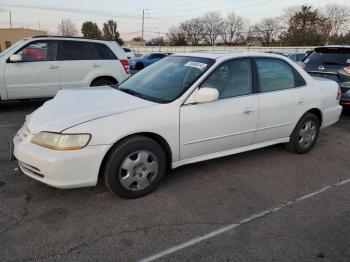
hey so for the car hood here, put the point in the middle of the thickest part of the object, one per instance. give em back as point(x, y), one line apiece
point(73, 107)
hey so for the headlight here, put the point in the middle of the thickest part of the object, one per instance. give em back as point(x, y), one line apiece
point(59, 141)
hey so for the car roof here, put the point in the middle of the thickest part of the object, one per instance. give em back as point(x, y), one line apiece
point(227, 55)
point(334, 46)
point(41, 37)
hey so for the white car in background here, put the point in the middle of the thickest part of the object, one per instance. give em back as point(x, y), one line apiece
point(129, 52)
point(40, 66)
point(183, 109)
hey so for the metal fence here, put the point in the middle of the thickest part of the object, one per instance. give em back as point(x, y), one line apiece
point(181, 49)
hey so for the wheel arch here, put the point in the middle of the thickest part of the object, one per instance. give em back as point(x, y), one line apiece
point(317, 112)
point(111, 78)
point(156, 137)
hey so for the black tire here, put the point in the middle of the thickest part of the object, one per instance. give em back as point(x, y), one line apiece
point(103, 82)
point(139, 66)
point(296, 144)
point(122, 152)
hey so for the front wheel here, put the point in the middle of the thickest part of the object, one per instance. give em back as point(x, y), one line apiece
point(305, 134)
point(135, 167)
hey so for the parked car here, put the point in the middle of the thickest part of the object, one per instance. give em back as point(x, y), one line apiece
point(145, 60)
point(331, 62)
point(294, 56)
point(129, 52)
point(40, 66)
point(183, 109)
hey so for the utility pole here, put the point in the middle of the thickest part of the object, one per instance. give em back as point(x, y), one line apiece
point(143, 24)
point(10, 19)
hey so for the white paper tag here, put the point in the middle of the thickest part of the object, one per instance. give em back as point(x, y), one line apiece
point(348, 61)
point(198, 65)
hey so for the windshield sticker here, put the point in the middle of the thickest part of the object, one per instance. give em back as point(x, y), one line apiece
point(198, 65)
point(348, 61)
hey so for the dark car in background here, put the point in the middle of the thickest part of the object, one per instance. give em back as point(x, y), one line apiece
point(331, 62)
point(145, 60)
point(294, 56)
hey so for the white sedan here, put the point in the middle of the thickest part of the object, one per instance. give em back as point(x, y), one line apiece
point(183, 109)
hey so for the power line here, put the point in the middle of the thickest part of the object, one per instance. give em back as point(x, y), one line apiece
point(239, 7)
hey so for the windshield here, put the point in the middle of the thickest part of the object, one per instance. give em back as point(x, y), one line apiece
point(336, 56)
point(167, 79)
point(11, 48)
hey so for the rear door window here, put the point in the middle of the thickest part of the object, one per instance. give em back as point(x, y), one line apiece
point(274, 74)
point(330, 56)
point(77, 50)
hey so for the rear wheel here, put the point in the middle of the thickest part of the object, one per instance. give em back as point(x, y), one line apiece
point(135, 167)
point(305, 134)
point(103, 82)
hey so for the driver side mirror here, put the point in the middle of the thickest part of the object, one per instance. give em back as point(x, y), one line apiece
point(16, 58)
point(203, 95)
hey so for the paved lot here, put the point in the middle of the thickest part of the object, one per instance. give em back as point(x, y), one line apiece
point(39, 223)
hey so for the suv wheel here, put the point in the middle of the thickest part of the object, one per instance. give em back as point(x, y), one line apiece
point(305, 134)
point(135, 167)
point(103, 82)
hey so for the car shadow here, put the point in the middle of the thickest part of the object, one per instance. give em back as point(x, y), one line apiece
point(20, 105)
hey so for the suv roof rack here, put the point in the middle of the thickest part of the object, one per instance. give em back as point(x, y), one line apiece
point(73, 37)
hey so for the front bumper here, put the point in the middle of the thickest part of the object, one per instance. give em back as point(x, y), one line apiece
point(60, 169)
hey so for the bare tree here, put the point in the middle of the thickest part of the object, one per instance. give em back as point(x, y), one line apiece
point(176, 37)
point(213, 25)
point(268, 29)
point(232, 30)
point(338, 17)
point(67, 28)
point(193, 30)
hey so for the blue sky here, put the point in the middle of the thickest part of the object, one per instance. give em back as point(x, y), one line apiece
point(161, 14)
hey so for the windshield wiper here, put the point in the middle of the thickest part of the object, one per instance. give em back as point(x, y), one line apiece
point(331, 63)
point(146, 97)
point(129, 91)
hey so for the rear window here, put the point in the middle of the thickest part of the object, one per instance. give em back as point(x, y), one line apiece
point(77, 50)
point(330, 56)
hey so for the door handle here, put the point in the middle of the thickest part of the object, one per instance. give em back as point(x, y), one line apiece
point(53, 67)
point(96, 65)
point(249, 110)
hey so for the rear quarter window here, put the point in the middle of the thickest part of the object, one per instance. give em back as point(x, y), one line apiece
point(104, 52)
